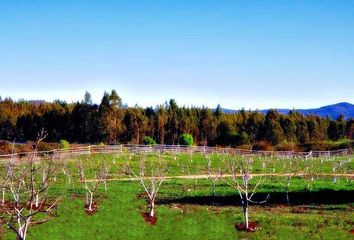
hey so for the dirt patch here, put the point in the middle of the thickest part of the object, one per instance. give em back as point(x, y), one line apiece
point(6, 204)
point(299, 209)
point(40, 207)
point(252, 227)
point(149, 219)
point(94, 209)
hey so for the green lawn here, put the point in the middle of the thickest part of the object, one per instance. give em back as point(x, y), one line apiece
point(120, 208)
point(119, 217)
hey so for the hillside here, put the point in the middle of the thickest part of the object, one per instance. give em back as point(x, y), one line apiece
point(332, 111)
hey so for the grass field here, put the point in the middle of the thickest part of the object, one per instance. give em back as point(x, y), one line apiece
point(186, 208)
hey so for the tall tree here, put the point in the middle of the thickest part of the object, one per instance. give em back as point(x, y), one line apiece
point(273, 131)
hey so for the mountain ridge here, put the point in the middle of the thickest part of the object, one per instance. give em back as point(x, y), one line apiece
point(331, 111)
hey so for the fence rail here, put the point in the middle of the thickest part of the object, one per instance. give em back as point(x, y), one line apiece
point(133, 148)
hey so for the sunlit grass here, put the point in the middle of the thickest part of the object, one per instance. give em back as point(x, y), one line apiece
point(119, 215)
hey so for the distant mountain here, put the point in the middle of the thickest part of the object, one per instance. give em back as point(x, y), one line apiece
point(332, 111)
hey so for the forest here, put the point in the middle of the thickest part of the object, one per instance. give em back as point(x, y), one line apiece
point(112, 122)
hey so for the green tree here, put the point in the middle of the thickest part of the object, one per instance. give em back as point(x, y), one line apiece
point(111, 116)
point(289, 126)
point(87, 98)
point(333, 131)
point(160, 124)
point(218, 111)
point(273, 131)
point(187, 139)
point(207, 126)
point(149, 140)
point(302, 133)
point(350, 129)
point(64, 144)
point(172, 125)
point(135, 123)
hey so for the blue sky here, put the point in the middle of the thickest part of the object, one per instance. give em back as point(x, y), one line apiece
point(252, 54)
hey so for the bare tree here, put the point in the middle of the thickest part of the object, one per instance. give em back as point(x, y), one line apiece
point(28, 183)
point(6, 175)
point(214, 173)
point(240, 170)
point(5, 180)
point(91, 185)
point(151, 176)
point(290, 167)
point(68, 174)
point(309, 171)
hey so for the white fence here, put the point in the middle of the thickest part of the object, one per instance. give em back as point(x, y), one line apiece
point(132, 148)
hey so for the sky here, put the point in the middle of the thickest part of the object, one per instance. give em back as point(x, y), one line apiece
point(251, 54)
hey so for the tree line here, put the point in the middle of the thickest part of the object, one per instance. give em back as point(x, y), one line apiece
point(112, 122)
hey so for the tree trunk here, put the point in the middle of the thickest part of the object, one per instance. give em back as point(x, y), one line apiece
point(213, 188)
point(287, 191)
point(19, 238)
point(37, 201)
point(213, 191)
point(3, 196)
point(245, 213)
point(152, 209)
point(334, 179)
point(91, 200)
point(22, 232)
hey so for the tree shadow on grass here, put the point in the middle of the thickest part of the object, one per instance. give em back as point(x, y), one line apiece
point(275, 198)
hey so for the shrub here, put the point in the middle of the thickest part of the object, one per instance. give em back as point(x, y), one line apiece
point(24, 148)
point(286, 146)
point(63, 144)
point(244, 146)
point(187, 139)
point(43, 146)
point(5, 148)
point(149, 140)
point(263, 146)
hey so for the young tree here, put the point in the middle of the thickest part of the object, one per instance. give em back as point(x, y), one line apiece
point(91, 185)
point(214, 173)
point(151, 176)
point(290, 167)
point(309, 171)
point(240, 170)
point(29, 183)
